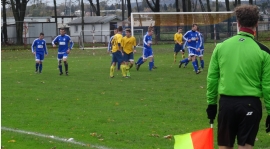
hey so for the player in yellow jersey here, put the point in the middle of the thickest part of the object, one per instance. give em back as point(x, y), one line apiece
point(178, 39)
point(117, 53)
point(128, 44)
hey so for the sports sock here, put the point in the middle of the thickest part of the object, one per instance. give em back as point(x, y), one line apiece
point(183, 55)
point(123, 68)
point(60, 68)
point(195, 66)
point(66, 66)
point(174, 56)
point(151, 64)
point(40, 68)
point(197, 63)
point(139, 60)
point(184, 60)
point(112, 70)
point(37, 64)
point(130, 66)
point(202, 64)
point(127, 70)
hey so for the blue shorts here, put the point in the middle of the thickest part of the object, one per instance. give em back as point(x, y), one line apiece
point(62, 55)
point(117, 57)
point(147, 53)
point(178, 48)
point(128, 57)
point(200, 53)
point(39, 56)
point(192, 52)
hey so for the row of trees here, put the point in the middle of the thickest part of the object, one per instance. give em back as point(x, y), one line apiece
point(19, 9)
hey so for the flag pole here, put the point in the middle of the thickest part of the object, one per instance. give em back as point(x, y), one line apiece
point(211, 123)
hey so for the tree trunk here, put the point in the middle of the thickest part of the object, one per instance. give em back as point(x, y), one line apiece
point(55, 19)
point(239, 2)
point(155, 8)
point(184, 7)
point(177, 10)
point(229, 18)
point(129, 8)
point(98, 9)
point(82, 8)
point(139, 11)
point(4, 2)
point(251, 2)
point(18, 9)
point(217, 26)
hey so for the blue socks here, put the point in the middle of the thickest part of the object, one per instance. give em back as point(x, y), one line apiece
point(60, 68)
point(186, 61)
point(151, 64)
point(140, 61)
point(202, 64)
point(40, 68)
point(195, 66)
point(37, 64)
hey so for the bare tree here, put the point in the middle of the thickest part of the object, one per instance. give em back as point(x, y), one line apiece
point(177, 10)
point(139, 11)
point(94, 8)
point(251, 2)
point(228, 16)
point(82, 8)
point(19, 8)
point(155, 7)
point(4, 2)
point(55, 19)
point(129, 8)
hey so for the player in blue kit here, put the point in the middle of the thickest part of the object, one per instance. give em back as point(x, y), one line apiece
point(39, 49)
point(200, 49)
point(147, 50)
point(63, 50)
point(193, 41)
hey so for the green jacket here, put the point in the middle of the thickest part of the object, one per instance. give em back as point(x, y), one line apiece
point(239, 66)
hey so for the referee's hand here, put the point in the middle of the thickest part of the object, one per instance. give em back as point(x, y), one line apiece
point(267, 124)
point(211, 111)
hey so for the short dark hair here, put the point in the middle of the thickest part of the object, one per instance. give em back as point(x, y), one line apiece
point(194, 25)
point(41, 34)
point(247, 15)
point(62, 29)
point(150, 28)
point(128, 30)
point(179, 28)
point(120, 28)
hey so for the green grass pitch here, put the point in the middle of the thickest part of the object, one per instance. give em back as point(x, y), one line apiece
point(92, 108)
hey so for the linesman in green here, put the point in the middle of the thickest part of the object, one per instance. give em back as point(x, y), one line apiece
point(239, 71)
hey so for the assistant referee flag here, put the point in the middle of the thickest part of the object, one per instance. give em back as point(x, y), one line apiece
point(202, 139)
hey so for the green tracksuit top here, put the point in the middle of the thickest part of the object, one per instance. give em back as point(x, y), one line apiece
point(239, 66)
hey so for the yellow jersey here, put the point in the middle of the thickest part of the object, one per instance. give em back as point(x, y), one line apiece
point(116, 39)
point(178, 38)
point(128, 43)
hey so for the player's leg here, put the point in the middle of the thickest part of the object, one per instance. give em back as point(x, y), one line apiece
point(201, 58)
point(120, 60)
point(112, 68)
point(40, 62)
point(183, 52)
point(60, 58)
point(224, 147)
point(176, 50)
point(247, 146)
point(126, 62)
point(37, 59)
point(193, 57)
point(186, 60)
point(142, 59)
point(150, 56)
point(65, 56)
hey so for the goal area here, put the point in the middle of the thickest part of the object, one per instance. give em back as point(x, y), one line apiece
point(215, 26)
point(99, 39)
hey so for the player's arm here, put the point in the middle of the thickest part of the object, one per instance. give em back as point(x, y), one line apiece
point(185, 37)
point(33, 47)
point(119, 40)
point(200, 40)
point(53, 42)
point(213, 78)
point(266, 81)
point(45, 48)
point(175, 38)
point(145, 40)
point(71, 44)
point(134, 45)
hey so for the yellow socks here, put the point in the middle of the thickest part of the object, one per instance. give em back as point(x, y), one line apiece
point(123, 68)
point(112, 71)
point(127, 70)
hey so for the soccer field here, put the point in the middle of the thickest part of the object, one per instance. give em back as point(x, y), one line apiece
point(98, 111)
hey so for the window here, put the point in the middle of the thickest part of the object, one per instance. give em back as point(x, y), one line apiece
point(76, 28)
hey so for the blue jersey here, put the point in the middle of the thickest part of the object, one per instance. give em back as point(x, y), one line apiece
point(194, 37)
point(63, 43)
point(147, 40)
point(200, 42)
point(39, 46)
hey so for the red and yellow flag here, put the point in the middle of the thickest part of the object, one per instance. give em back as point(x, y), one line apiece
point(202, 139)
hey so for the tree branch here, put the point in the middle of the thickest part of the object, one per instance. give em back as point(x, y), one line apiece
point(150, 6)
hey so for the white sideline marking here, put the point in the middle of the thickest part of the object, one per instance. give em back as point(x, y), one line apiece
point(70, 140)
